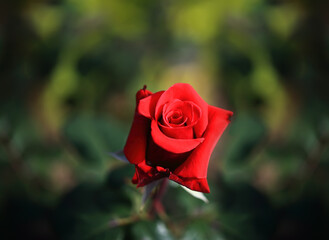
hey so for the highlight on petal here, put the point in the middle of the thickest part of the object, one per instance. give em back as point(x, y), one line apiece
point(146, 106)
point(171, 144)
point(197, 163)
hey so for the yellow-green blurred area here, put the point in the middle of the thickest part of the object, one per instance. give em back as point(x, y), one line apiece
point(69, 71)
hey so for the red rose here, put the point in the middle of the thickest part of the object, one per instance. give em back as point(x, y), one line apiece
point(173, 135)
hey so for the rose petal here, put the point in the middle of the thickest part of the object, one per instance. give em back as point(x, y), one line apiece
point(135, 179)
point(185, 92)
point(197, 163)
point(143, 93)
point(171, 115)
point(157, 156)
point(146, 174)
point(177, 132)
point(176, 110)
point(147, 105)
point(177, 121)
point(196, 184)
point(172, 106)
point(136, 144)
point(171, 144)
point(192, 112)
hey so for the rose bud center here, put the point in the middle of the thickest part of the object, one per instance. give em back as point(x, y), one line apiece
point(177, 121)
point(178, 118)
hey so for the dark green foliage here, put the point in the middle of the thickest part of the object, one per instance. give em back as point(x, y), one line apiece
point(245, 213)
point(86, 211)
point(91, 136)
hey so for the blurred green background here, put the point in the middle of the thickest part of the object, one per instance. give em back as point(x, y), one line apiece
point(69, 71)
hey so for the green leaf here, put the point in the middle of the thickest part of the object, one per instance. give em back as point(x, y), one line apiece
point(93, 137)
point(85, 212)
point(119, 156)
point(245, 212)
point(198, 195)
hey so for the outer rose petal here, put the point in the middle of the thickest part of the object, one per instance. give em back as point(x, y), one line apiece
point(136, 144)
point(171, 144)
point(185, 92)
point(143, 93)
point(134, 180)
point(195, 167)
point(146, 174)
point(147, 105)
point(196, 184)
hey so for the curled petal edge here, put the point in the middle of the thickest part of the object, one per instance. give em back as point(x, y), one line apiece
point(171, 144)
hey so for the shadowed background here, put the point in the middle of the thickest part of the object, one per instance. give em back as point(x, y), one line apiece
point(69, 71)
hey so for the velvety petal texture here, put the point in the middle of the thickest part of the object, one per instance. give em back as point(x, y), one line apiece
point(173, 135)
point(136, 144)
point(175, 145)
point(185, 92)
point(147, 105)
point(196, 165)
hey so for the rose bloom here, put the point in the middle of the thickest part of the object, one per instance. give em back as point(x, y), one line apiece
point(173, 135)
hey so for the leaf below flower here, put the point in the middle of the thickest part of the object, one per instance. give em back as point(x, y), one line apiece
point(196, 194)
point(120, 156)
